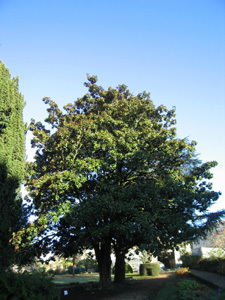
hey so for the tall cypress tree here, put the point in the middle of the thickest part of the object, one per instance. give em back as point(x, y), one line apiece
point(12, 162)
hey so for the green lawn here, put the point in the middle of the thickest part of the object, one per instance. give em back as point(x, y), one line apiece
point(84, 278)
point(80, 278)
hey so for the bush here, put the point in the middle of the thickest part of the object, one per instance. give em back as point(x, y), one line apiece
point(212, 264)
point(79, 270)
point(27, 286)
point(143, 269)
point(154, 269)
point(128, 269)
point(187, 285)
point(190, 261)
point(70, 269)
point(150, 269)
point(221, 268)
point(58, 271)
point(188, 289)
point(182, 271)
point(88, 263)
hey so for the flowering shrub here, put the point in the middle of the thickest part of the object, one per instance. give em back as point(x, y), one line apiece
point(182, 271)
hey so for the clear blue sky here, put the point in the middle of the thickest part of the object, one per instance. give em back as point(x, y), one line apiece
point(174, 49)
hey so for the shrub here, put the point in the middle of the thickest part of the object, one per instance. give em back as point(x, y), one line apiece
point(51, 272)
point(188, 289)
point(42, 269)
point(143, 269)
point(27, 286)
point(187, 285)
point(154, 269)
point(79, 270)
point(151, 269)
point(128, 269)
point(221, 268)
point(70, 269)
point(190, 261)
point(58, 271)
point(182, 271)
point(88, 263)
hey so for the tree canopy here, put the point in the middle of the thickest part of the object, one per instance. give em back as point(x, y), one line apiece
point(12, 163)
point(112, 173)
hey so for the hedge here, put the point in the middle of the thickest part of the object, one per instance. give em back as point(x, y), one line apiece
point(214, 265)
point(150, 269)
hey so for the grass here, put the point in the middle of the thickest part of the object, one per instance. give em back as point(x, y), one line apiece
point(79, 278)
point(93, 277)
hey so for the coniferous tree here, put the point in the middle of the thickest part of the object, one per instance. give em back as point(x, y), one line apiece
point(12, 163)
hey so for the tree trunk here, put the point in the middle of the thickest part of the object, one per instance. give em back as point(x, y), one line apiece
point(120, 267)
point(73, 265)
point(103, 256)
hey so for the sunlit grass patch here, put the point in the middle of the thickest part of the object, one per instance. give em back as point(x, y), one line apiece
point(79, 278)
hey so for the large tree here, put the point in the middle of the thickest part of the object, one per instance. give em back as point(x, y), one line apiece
point(113, 174)
point(12, 163)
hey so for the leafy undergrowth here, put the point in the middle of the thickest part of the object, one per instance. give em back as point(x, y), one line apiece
point(184, 287)
point(27, 286)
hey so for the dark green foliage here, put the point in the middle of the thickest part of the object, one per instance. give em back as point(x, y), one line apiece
point(143, 269)
point(12, 163)
point(88, 263)
point(214, 264)
point(189, 261)
point(70, 269)
point(128, 269)
point(79, 270)
point(150, 269)
point(189, 290)
point(188, 285)
point(113, 173)
point(153, 269)
point(27, 286)
point(57, 271)
point(168, 259)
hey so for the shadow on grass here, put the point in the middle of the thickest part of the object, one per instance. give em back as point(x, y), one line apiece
point(135, 287)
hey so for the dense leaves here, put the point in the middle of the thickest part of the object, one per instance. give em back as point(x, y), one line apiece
point(12, 163)
point(111, 172)
point(27, 286)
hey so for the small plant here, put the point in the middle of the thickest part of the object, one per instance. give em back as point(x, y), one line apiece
point(188, 289)
point(188, 285)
